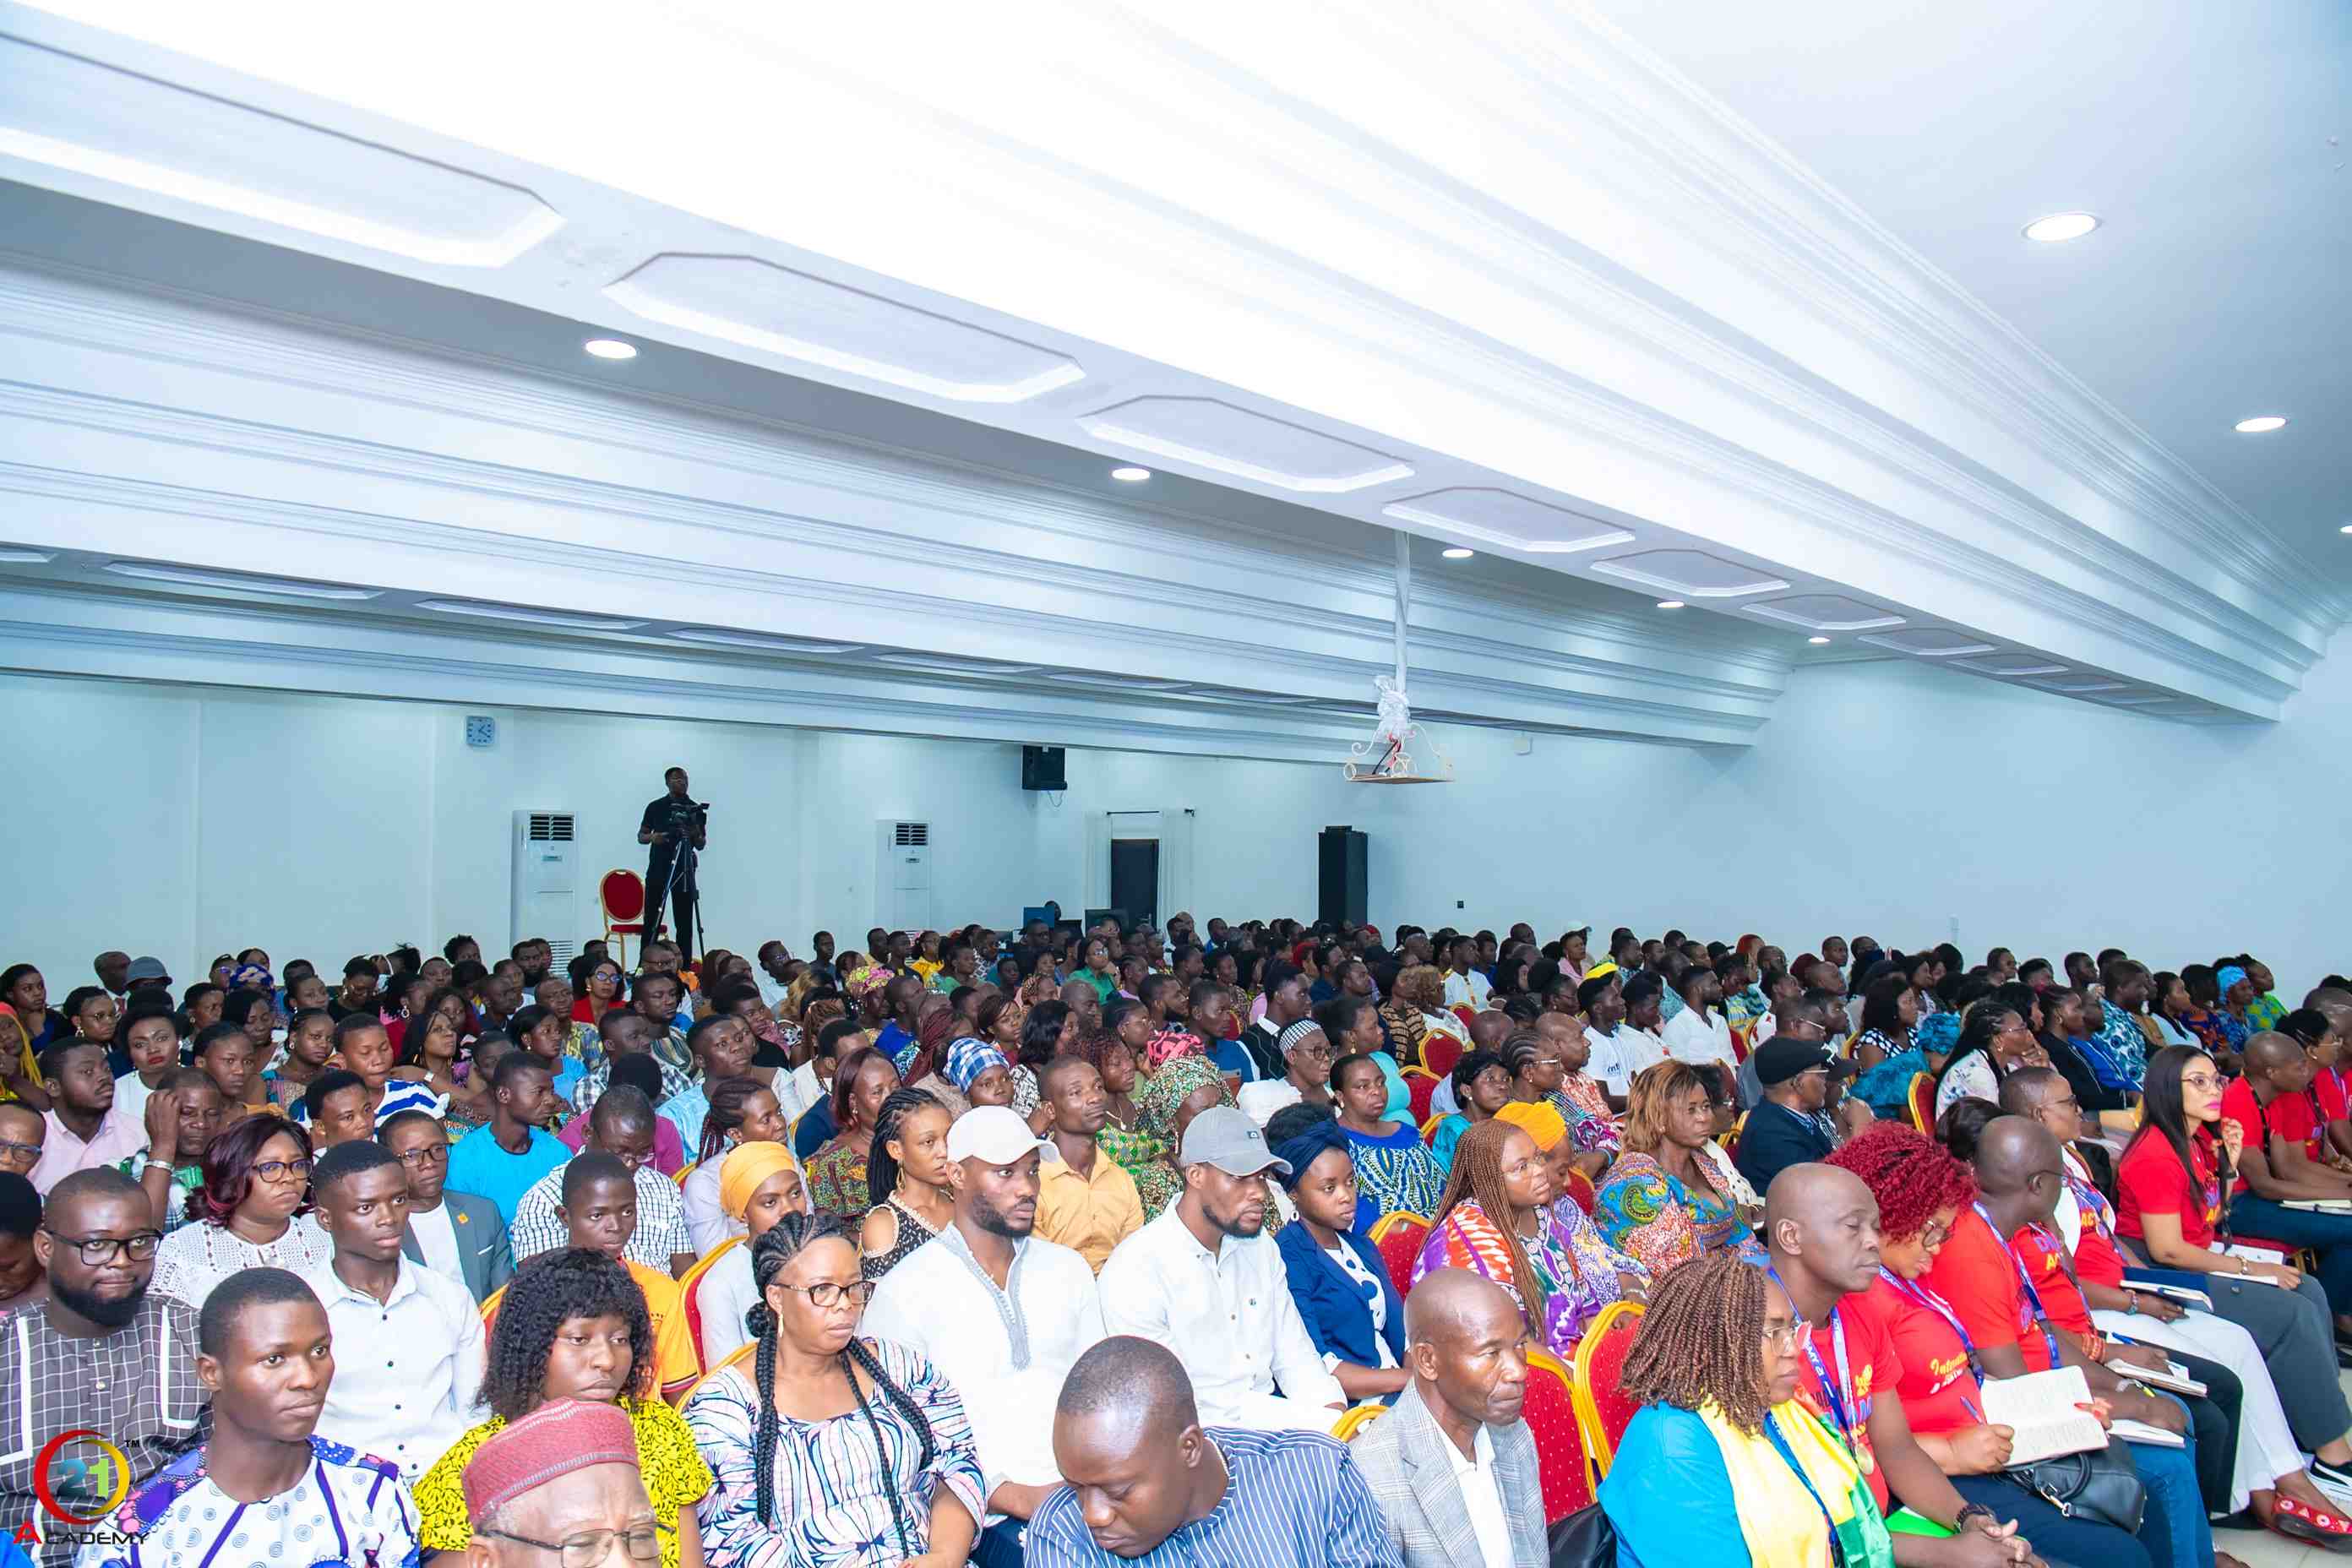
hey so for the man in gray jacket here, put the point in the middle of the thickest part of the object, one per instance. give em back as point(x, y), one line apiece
point(460, 1235)
point(1453, 1464)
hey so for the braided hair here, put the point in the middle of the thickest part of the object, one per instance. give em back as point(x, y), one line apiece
point(777, 1246)
point(727, 1097)
point(1698, 1342)
point(1477, 1178)
point(881, 1165)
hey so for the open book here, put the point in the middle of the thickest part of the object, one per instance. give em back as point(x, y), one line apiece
point(2040, 1407)
point(2144, 1364)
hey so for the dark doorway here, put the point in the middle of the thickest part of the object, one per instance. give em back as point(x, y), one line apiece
point(1134, 879)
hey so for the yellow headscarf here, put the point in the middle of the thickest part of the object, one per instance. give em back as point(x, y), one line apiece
point(746, 1167)
point(1538, 1120)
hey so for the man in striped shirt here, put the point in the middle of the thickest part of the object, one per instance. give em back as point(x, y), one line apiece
point(1147, 1484)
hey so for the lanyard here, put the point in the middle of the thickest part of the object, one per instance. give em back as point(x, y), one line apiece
point(1919, 1295)
point(1844, 1409)
point(1780, 1443)
point(2032, 1296)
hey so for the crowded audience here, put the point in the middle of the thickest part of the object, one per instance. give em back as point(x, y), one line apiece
point(1254, 1243)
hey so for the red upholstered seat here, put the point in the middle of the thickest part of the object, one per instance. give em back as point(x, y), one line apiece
point(1440, 1051)
point(1923, 1102)
point(1562, 1468)
point(1600, 1359)
point(1580, 1187)
point(690, 1290)
point(1418, 1087)
point(1398, 1238)
point(622, 893)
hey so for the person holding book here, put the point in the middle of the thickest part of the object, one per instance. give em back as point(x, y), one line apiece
point(2282, 1171)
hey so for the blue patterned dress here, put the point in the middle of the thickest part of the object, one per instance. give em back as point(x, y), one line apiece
point(1396, 1172)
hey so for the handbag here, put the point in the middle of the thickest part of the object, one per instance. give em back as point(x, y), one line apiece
point(2098, 1485)
point(1585, 1539)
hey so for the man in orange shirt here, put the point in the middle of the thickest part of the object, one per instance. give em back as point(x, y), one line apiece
point(600, 1212)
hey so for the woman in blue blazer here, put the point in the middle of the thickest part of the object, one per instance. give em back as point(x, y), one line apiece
point(1350, 1305)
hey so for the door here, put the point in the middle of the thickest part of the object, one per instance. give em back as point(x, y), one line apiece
point(1134, 879)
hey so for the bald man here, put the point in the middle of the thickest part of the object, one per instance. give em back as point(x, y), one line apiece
point(1452, 1463)
point(1821, 1225)
point(2283, 1161)
point(1488, 1030)
point(1147, 1484)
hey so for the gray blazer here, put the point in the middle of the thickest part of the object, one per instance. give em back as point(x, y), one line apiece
point(1403, 1456)
point(483, 1251)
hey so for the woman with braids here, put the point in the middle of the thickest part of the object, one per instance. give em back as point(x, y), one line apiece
point(1722, 1467)
point(1500, 1219)
point(743, 1110)
point(1995, 1041)
point(910, 1168)
point(1672, 1195)
point(837, 1173)
point(831, 1451)
point(1185, 1086)
point(572, 1325)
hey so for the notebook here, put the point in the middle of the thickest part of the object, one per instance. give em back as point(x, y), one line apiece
point(2039, 1408)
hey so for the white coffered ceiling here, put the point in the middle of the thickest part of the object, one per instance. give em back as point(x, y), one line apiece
point(1495, 275)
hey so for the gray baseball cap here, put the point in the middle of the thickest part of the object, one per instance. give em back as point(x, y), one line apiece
point(1231, 1142)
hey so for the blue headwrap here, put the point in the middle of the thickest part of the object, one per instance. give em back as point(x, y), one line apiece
point(968, 1059)
point(252, 976)
point(2229, 974)
point(1937, 1032)
point(1301, 1149)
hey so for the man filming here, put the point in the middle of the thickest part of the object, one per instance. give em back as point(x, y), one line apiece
point(675, 826)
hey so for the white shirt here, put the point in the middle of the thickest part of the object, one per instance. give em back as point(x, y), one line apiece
point(1261, 1099)
point(407, 1369)
point(1481, 1497)
point(1471, 989)
point(725, 1294)
point(1608, 1063)
point(196, 1257)
point(772, 989)
point(1229, 1317)
point(934, 1300)
point(1702, 1039)
point(661, 1232)
point(1636, 1048)
point(797, 1090)
point(436, 1238)
point(1343, 1257)
point(131, 1096)
point(706, 1222)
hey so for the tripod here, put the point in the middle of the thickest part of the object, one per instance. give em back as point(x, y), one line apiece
point(681, 888)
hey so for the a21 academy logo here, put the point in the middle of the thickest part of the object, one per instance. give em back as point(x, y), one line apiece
point(80, 1478)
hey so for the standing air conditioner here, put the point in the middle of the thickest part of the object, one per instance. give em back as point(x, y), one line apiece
point(902, 875)
point(547, 880)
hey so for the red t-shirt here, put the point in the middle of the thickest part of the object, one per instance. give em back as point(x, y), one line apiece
point(1928, 1363)
point(1976, 1274)
point(2288, 1118)
point(1870, 1362)
point(2044, 1253)
point(2097, 1258)
point(2149, 1180)
point(2328, 1085)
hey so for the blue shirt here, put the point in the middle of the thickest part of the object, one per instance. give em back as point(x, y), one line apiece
point(479, 1166)
point(897, 1044)
point(1292, 1496)
point(815, 1130)
point(687, 1111)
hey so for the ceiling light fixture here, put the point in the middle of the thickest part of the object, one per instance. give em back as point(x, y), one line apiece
point(1131, 476)
point(242, 582)
point(17, 556)
point(2261, 425)
point(1672, 604)
point(2345, 529)
point(2060, 227)
point(948, 664)
point(1817, 641)
point(532, 618)
point(721, 638)
point(1457, 553)
point(610, 348)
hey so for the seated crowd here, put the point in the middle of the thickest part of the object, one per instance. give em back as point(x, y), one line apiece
point(1235, 1246)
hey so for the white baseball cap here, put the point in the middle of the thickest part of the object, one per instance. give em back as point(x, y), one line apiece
point(993, 1134)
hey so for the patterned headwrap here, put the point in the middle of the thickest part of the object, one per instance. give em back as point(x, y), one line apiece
point(1303, 1149)
point(870, 981)
point(1539, 1121)
point(1169, 1043)
point(2229, 974)
point(1170, 1085)
point(252, 977)
point(967, 1058)
point(553, 1441)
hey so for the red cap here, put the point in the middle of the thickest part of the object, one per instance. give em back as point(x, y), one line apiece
point(554, 1440)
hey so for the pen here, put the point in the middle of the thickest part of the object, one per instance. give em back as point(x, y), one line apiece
point(1970, 1406)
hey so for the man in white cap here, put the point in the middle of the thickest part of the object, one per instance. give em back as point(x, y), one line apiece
point(1005, 1314)
point(1206, 1280)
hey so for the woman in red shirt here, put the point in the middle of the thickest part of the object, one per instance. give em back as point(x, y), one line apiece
point(2169, 1205)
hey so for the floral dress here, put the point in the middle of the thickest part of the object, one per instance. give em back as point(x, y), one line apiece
point(836, 1182)
point(1656, 1217)
point(1577, 1269)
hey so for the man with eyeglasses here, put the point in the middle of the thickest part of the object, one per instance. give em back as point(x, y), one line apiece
point(101, 1354)
point(456, 1234)
point(560, 1489)
point(22, 1130)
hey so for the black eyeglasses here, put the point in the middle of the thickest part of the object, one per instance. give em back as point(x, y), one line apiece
point(29, 1152)
point(431, 1154)
point(592, 1548)
point(100, 1249)
point(270, 1169)
point(825, 1294)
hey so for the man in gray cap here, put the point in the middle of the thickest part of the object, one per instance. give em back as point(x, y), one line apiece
point(141, 974)
point(1206, 1280)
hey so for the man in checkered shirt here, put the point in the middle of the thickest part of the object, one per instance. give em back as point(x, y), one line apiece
point(622, 1125)
point(100, 1353)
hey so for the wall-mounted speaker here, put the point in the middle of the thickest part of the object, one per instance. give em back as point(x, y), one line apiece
point(1344, 893)
point(1041, 768)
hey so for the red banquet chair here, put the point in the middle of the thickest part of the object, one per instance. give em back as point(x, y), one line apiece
point(622, 895)
point(1419, 1086)
point(1922, 1102)
point(1563, 1469)
point(1600, 1360)
point(1580, 1187)
point(1397, 1238)
point(1440, 1050)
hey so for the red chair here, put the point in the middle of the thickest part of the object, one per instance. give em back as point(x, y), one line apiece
point(689, 1291)
point(1563, 1468)
point(622, 895)
point(1398, 1238)
point(1600, 1360)
point(1418, 1087)
point(1466, 1012)
point(1923, 1102)
point(1439, 1052)
point(1580, 1187)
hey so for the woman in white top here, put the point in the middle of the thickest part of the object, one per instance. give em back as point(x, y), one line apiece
point(759, 1184)
point(247, 1212)
point(1994, 1042)
point(1306, 1061)
point(743, 1110)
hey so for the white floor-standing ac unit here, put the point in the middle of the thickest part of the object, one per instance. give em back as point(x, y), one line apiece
point(547, 882)
point(902, 875)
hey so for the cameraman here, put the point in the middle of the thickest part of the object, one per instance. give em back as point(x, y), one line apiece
point(675, 826)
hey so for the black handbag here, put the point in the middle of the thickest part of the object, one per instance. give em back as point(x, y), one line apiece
point(1585, 1539)
point(2098, 1485)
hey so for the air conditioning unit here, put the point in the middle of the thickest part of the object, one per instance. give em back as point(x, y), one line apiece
point(547, 880)
point(902, 875)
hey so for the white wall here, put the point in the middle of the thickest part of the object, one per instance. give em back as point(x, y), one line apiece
point(1884, 797)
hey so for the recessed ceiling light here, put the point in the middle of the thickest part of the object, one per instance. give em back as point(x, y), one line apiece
point(243, 582)
point(1457, 553)
point(1131, 476)
point(610, 348)
point(2060, 227)
point(2261, 424)
point(534, 617)
point(1817, 641)
point(1671, 604)
point(2345, 529)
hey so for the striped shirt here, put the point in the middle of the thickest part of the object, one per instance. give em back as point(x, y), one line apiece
point(1291, 1498)
point(399, 1094)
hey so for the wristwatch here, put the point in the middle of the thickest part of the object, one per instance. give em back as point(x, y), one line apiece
point(1973, 1510)
point(2131, 1302)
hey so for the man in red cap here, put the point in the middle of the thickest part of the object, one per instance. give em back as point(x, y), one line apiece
point(561, 1484)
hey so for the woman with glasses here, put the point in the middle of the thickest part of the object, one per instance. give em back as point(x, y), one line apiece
point(250, 1212)
point(831, 1451)
point(1723, 1467)
point(1307, 1063)
point(1994, 1042)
